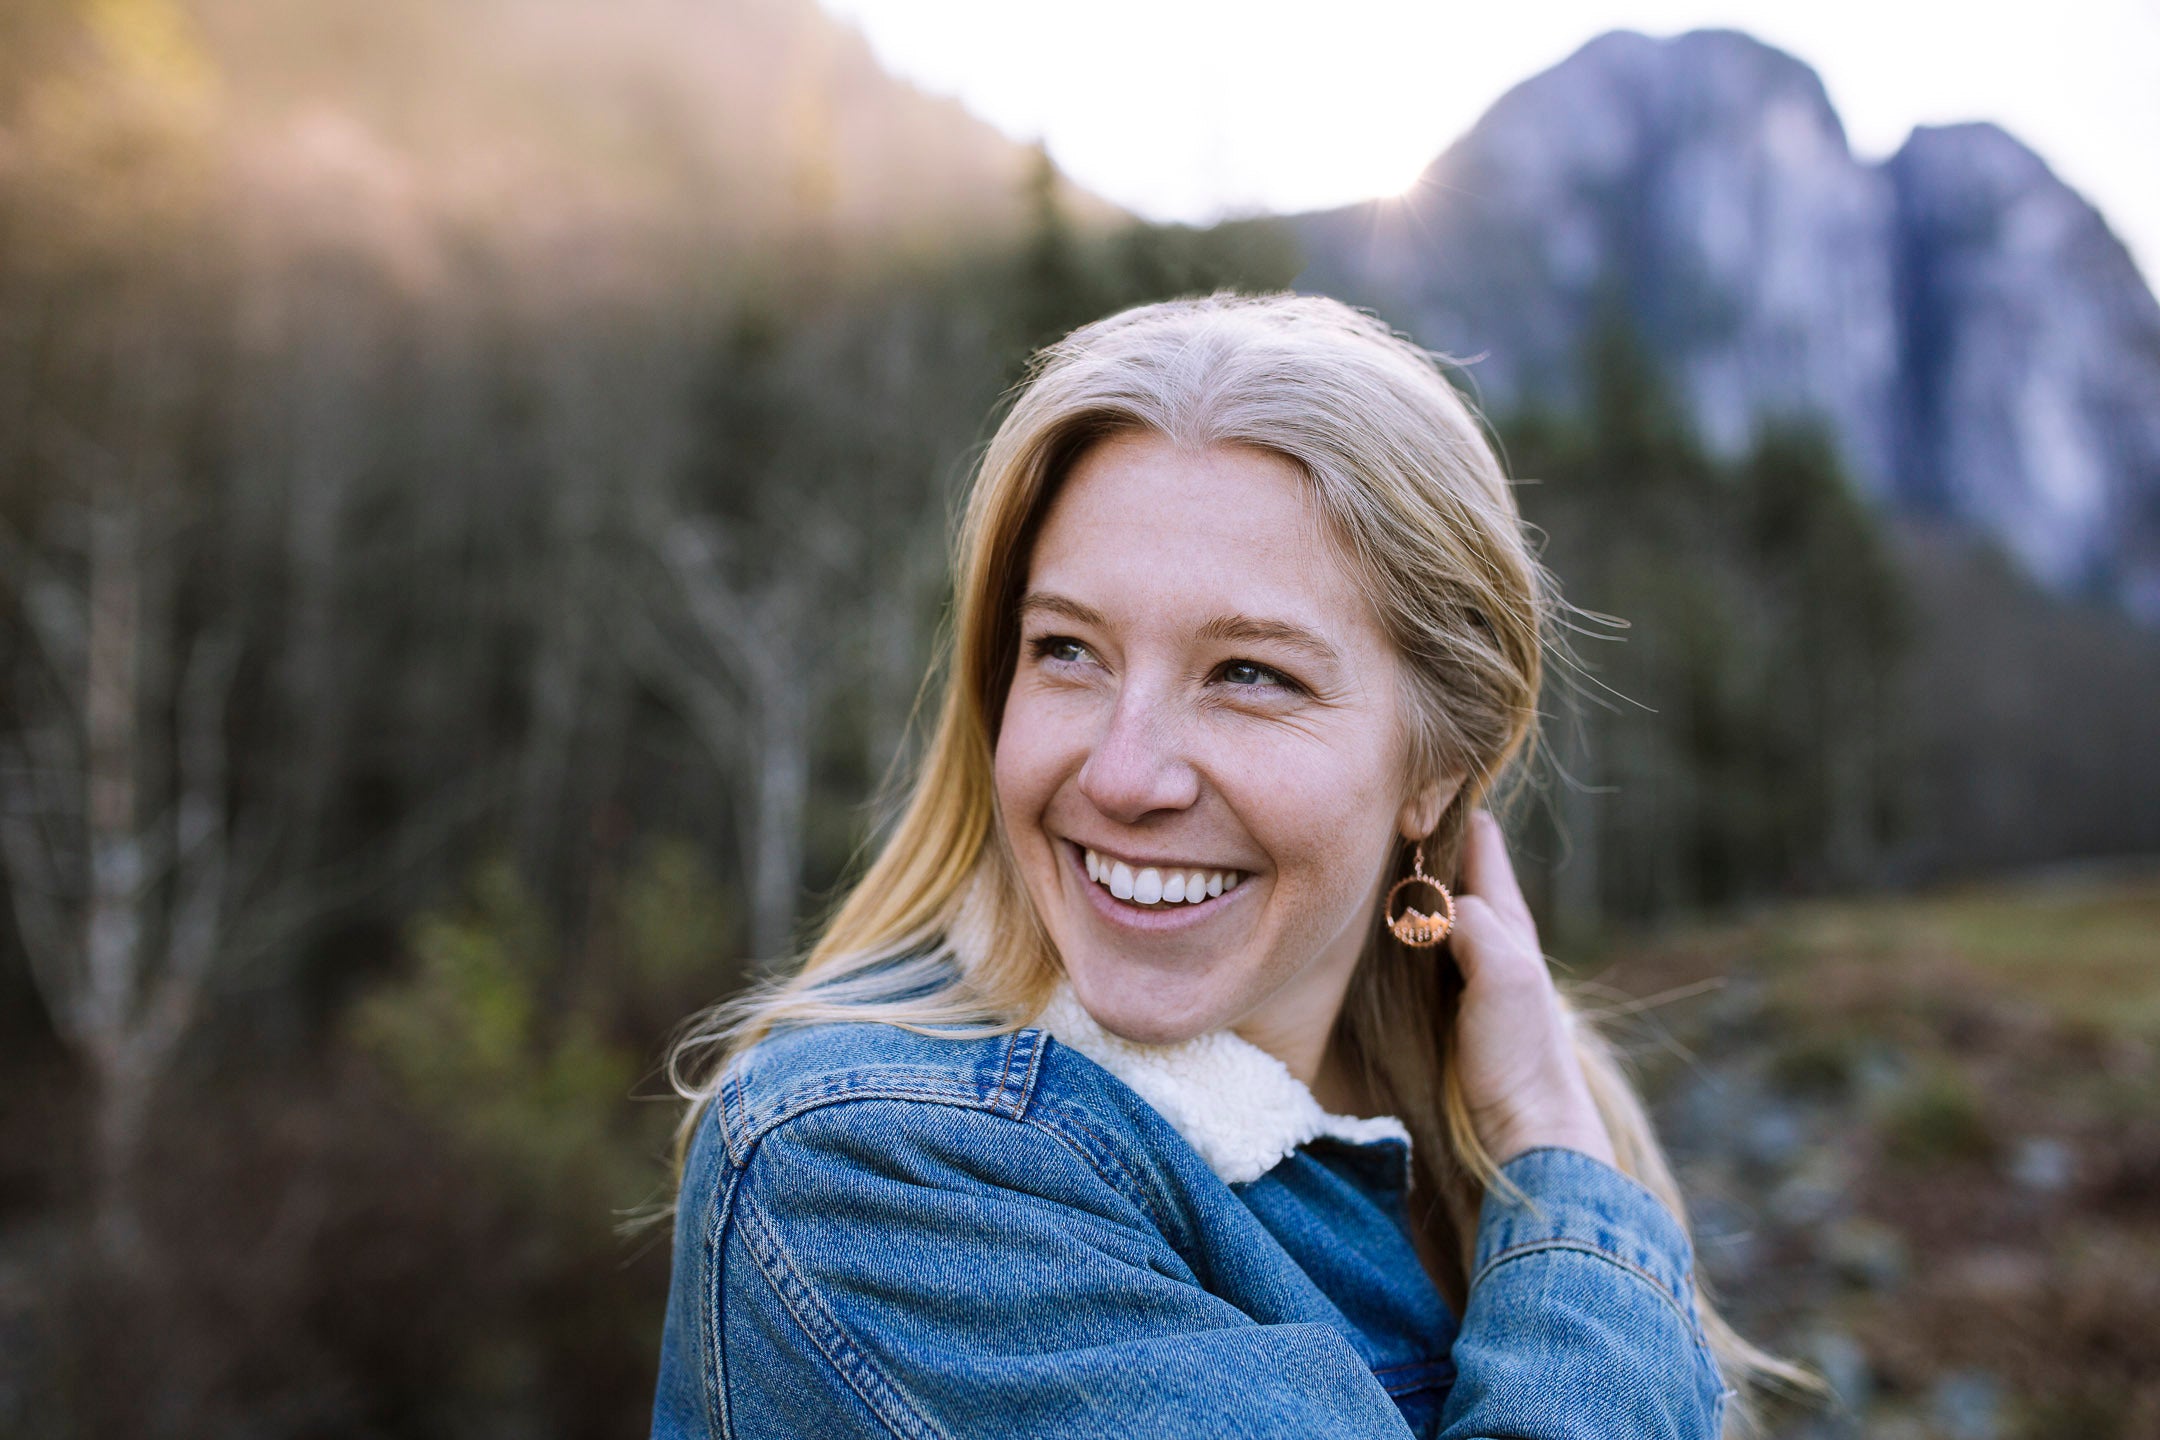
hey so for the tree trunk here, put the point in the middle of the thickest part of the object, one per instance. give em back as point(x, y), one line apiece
point(781, 798)
point(112, 935)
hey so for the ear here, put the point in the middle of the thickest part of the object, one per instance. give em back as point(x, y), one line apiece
point(1422, 811)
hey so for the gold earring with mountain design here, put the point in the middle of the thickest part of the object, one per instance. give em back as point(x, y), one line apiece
point(1414, 927)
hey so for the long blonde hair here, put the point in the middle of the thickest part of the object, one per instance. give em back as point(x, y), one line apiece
point(939, 934)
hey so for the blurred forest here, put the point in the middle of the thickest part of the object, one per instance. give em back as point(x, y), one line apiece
point(475, 489)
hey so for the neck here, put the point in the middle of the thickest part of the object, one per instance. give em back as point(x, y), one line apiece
point(1338, 1087)
point(1297, 1025)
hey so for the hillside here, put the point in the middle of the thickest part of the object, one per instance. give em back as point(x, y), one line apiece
point(620, 145)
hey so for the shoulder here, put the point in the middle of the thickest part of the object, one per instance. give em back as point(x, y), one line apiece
point(876, 1096)
point(817, 1080)
point(794, 1072)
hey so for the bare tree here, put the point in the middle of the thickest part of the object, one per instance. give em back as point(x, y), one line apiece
point(141, 871)
point(731, 657)
point(808, 571)
point(122, 856)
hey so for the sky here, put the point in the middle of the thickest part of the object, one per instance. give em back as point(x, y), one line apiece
point(1198, 109)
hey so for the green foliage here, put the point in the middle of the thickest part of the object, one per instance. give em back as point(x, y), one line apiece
point(496, 1039)
point(676, 918)
point(1938, 1120)
point(1737, 678)
point(471, 1039)
point(1819, 1065)
point(1066, 278)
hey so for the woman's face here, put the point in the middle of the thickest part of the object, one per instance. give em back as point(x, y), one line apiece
point(1204, 700)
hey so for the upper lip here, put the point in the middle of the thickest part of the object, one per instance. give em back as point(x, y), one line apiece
point(1109, 854)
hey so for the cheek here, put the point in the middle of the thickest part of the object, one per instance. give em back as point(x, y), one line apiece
point(1325, 814)
point(1027, 764)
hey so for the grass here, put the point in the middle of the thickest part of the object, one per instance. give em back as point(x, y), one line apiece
point(1931, 1046)
point(2086, 949)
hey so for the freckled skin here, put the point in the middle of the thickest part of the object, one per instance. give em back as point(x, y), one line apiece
point(1139, 736)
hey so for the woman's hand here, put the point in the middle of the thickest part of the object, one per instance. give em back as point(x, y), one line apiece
point(1513, 1053)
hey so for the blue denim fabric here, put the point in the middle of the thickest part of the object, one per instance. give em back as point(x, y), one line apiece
point(884, 1234)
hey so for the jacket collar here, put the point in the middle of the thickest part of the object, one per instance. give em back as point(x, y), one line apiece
point(1234, 1103)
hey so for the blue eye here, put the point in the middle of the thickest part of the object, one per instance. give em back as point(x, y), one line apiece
point(1245, 673)
point(1053, 647)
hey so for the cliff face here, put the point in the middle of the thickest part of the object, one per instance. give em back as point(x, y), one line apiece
point(2030, 364)
point(1980, 343)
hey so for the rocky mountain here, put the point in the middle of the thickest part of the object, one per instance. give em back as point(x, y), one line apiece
point(1982, 345)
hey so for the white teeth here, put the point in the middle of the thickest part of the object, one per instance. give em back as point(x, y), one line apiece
point(1151, 886)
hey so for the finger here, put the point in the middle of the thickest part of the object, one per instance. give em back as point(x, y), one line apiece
point(1493, 951)
point(1486, 870)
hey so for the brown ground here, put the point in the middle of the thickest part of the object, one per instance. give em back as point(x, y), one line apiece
point(1921, 1140)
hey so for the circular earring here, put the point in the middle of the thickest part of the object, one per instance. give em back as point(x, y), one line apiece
point(1414, 927)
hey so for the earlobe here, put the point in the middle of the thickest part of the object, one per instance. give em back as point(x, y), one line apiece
point(1421, 813)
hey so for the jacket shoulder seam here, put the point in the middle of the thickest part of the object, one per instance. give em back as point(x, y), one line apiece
point(1067, 1128)
point(1071, 1129)
point(1009, 1094)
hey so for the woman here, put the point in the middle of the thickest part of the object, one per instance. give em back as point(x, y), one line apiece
point(1149, 1083)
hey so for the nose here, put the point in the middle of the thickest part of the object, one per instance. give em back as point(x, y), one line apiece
point(1138, 765)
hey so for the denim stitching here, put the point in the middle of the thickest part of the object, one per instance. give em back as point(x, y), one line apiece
point(1138, 1198)
point(1725, 1393)
point(1098, 1152)
point(1004, 1074)
point(1137, 1195)
point(717, 1417)
point(1531, 1247)
point(1415, 1376)
point(854, 1366)
point(1030, 1042)
point(731, 1116)
point(1038, 1045)
point(803, 1104)
point(1717, 1410)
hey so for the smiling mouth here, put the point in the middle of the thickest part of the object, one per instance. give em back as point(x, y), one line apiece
point(1152, 885)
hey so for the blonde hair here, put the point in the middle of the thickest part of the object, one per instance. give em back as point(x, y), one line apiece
point(939, 934)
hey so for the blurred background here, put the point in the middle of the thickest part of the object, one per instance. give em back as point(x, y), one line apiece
point(474, 490)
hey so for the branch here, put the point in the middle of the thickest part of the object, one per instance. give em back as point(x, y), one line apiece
point(201, 898)
point(55, 962)
point(53, 610)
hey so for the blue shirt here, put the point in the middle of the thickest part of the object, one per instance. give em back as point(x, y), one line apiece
point(881, 1233)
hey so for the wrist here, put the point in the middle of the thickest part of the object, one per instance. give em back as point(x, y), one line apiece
point(1586, 1139)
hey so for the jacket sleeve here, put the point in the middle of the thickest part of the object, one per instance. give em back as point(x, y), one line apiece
point(905, 1268)
point(1581, 1321)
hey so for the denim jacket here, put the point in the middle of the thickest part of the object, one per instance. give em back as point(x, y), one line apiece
point(1053, 1232)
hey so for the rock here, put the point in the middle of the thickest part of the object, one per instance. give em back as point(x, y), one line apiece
point(2043, 1164)
point(1968, 1405)
point(1815, 1192)
point(1880, 1071)
point(1774, 1134)
point(1845, 1365)
point(1867, 1252)
point(1998, 1274)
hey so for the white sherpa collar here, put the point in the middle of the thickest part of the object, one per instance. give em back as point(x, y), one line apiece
point(1237, 1105)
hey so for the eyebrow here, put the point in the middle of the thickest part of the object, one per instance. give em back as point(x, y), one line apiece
point(1225, 629)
